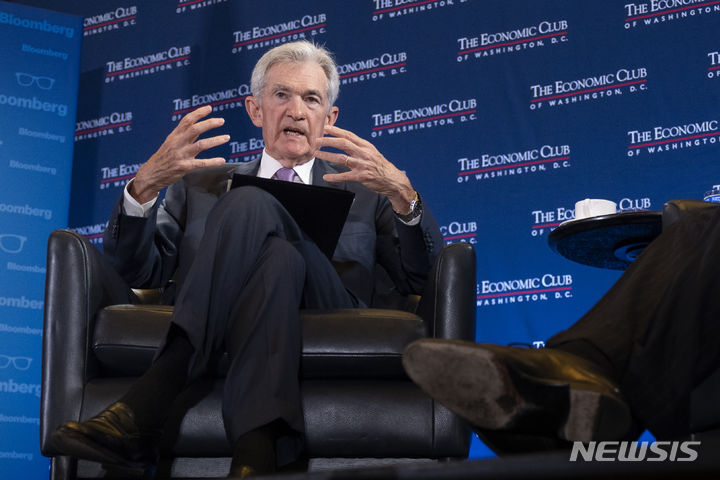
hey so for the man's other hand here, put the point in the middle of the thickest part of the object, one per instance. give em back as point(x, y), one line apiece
point(176, 156)
point(367, 166)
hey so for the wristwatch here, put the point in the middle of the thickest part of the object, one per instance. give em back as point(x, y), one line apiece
point(415, 209)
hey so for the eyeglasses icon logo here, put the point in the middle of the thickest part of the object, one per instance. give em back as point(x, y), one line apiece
point(20, 363)
point(26, 80)
point(11, 243)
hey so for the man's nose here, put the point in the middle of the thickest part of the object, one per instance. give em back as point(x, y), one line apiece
point(296, 108)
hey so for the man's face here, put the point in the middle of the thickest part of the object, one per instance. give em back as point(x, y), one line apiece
point(293, 112)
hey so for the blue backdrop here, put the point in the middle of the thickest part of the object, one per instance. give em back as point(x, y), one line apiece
point(503, 114)
point(39, 69)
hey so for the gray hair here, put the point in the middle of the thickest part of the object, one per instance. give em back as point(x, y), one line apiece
point(302, 51)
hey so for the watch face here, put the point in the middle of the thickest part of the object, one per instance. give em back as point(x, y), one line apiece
point(415, 210)
point(414, 203)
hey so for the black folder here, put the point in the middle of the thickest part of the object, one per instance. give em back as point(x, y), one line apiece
point(319, 211)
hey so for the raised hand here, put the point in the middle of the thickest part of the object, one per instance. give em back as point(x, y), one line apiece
point(176, 156)
point(367, 166)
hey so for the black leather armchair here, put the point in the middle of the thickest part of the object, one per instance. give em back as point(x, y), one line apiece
point(99, 335)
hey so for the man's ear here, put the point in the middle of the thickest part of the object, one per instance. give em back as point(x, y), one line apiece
point(252, 106)
point(331, 116)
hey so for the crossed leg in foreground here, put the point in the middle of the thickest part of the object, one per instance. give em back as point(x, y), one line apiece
point(630, 363)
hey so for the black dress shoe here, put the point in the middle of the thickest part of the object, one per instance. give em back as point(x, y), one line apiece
point(254, 453)
point(241, 471)
point(111, 437)
point(542, 392)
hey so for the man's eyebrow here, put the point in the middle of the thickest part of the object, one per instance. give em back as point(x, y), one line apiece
point(279, 86)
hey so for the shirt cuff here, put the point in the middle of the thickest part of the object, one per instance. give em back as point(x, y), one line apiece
point(132, 207)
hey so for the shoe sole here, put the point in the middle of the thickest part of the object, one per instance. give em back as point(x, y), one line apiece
point(481, 386)
point(75, 444)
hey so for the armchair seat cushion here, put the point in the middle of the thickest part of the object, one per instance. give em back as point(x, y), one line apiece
point(357, 343)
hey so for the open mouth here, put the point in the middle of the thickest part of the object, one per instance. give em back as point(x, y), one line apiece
point(293, 131)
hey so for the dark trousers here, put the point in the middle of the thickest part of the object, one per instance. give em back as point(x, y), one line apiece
point(253, 270)
point(658, 326)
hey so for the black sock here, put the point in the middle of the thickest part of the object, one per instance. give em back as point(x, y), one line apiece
point(256, 449)
point(151, 394)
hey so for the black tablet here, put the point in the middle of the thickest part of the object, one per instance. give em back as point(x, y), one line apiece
point(319, 211)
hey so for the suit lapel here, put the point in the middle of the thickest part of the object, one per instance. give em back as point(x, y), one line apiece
point(248, 168)
point(322, 167)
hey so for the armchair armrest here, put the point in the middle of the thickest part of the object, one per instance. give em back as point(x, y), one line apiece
point(448, 302)
point(78, 284)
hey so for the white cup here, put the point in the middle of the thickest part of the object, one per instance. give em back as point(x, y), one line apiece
point(594, 207)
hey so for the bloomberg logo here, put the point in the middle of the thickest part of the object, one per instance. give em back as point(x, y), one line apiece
point(11, 386)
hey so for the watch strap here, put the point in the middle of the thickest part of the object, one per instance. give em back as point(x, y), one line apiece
point(415, 209)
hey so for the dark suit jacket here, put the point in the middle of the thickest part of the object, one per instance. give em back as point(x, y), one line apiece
point(149, 252)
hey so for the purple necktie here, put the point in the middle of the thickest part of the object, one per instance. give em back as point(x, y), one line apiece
point(286, 174)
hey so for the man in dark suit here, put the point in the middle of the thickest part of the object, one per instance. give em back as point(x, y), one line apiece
point(242, 268)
